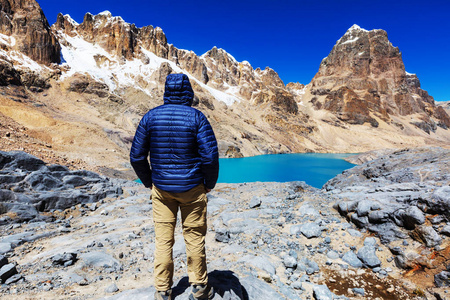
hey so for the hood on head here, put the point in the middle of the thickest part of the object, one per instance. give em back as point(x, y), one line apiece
point(178, 90)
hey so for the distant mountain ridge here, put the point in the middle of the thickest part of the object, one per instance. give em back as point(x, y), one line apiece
point(106, 73)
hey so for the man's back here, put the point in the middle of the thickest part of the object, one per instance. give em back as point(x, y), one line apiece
point(182, 145)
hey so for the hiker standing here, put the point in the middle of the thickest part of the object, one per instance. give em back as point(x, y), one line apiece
point(184, 168)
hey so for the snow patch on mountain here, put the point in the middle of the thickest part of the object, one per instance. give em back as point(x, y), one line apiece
point(87, 58)
point(351, 41)
point(7, 40)
point(19, 60)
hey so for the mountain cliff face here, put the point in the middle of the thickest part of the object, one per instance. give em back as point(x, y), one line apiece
point(364, 79)
point(26, 23)
point(111, 72)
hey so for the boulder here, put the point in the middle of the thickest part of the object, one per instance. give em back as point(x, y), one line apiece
point(367, 255)
point(7, 271)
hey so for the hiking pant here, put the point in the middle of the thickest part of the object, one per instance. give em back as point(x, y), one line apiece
point(192, 205)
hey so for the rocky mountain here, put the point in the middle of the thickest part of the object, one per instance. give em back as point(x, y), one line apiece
point(80, 89)
point(363, 79)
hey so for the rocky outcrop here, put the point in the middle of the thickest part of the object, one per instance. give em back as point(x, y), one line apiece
point(25, 21)
point(258, 86)
point(28, 187)
point(364, 78)
point(190, 62)
point(384, 196)
point(8, 75)
point(115, 35)
point(404, 198)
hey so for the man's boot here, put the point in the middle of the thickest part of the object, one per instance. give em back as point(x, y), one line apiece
point(201, 291)
point(167, 295)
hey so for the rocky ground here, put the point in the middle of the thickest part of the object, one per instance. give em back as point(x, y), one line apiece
point(265, 241)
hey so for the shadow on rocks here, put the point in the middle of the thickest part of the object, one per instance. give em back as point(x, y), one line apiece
point(225, 283)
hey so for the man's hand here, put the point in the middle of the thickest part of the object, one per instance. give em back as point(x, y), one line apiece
point(207, 190)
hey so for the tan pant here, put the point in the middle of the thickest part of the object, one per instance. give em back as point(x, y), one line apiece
point(192, 205)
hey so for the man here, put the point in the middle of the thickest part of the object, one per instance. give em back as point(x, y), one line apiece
point(184, 167)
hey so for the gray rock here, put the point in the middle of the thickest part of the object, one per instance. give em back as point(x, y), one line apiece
point(352, 259)
point(5, 248)
point(20, 160)
point(42, 181)
point(7, 271)
point(446, 230)
point(93, 206)
point(442, 279)
point(222, 235)
point(439, 202)
point(332, 254)
point(376, 270)
point(378, 217)
point(297, 285)
point(413, 216)
point(358, 291)
point(65, 259)
point(310, 230)
point(369, 257)
point(345, 207)
point(308, 266)
point(13, 279)
point(112, 289)
point(370, 241)
point(99, 260)
point(290, 262)
point(74, 278)
point(427, 235)
point(23, 211)
point(74, 180)
point(255, 202)
point(322, 292)
point(304, 278)
point(361, 222)
point(363, 208)
point(402, 190)
point(3, 260)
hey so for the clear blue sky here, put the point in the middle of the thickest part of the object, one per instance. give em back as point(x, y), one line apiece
point(290, 36)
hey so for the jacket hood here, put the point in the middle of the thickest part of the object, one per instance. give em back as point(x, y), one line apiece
point(178, 90)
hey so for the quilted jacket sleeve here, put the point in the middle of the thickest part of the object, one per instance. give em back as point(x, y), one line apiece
point(207, 148)
point(139, 153)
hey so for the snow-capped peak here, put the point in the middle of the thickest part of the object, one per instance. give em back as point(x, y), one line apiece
point(356, 28)
point(69, 19)
point(106, 13)
point(109, 16)
point(351, 35)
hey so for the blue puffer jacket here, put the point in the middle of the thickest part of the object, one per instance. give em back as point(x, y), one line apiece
point(180, 140)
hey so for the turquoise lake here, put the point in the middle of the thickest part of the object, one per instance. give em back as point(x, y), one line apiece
point(313, 168)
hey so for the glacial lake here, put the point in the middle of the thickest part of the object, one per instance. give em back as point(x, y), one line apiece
point(313, 168)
